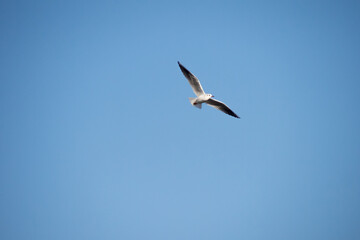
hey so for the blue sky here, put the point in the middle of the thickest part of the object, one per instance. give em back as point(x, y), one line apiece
point(99, 141)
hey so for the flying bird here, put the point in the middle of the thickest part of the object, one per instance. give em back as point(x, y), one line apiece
point(203, 97)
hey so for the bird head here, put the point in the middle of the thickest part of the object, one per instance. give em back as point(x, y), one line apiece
point(208, 96)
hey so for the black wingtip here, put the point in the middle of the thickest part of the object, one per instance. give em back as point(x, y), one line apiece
point(233, 114)
point(183, 69)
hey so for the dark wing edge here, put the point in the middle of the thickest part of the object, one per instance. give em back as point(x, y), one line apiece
point(222, 107)
point(186, 72)
point(193, 80)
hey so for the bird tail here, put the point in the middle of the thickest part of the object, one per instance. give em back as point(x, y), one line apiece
point(193, 102)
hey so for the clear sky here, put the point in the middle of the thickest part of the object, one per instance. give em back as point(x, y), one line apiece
point(98, 139)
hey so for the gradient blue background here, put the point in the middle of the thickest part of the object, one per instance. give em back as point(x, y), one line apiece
point(99, 141)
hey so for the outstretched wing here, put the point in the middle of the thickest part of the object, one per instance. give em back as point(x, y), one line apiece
point(194, 82)
point(221, 106)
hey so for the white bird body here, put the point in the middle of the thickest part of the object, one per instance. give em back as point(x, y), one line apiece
point(203, 97)
point(200, 99)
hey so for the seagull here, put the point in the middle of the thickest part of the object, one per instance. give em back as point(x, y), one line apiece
point(203, 97)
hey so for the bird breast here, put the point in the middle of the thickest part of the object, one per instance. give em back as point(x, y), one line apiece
point(203, 98)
